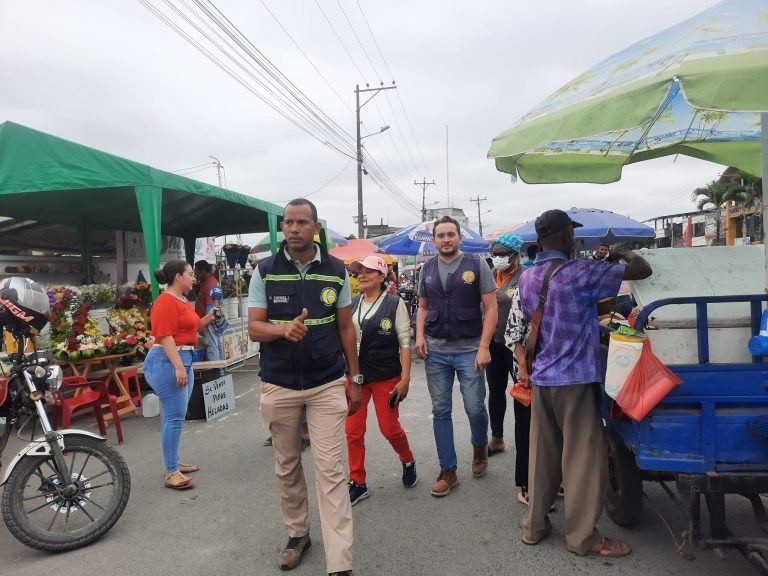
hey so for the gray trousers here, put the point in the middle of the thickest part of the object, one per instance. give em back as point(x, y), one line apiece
point(567, 445)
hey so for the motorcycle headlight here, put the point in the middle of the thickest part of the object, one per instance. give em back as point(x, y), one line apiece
point(55, 378)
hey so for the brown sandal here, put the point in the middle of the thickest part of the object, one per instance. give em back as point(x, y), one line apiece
point(177, 481)
point(608, 548)
point(188, 468)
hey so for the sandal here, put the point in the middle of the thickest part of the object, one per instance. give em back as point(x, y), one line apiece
point(188, 468)
point(177, 481)
point(522, 496)
point(547, 532)
point(608, 548)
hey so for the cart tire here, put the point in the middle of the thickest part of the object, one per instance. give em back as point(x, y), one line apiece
point(758, 561)
point(624, 497)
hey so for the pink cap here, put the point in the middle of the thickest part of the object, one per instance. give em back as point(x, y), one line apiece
point(372, 263)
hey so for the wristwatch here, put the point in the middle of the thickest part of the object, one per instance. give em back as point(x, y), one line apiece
point(357, 379)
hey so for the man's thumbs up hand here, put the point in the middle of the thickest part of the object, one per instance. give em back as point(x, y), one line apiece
point(295, 330)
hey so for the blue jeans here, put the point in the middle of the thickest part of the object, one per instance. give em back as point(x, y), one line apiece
point(161, 376)
point(440, 369)
point(214, 346)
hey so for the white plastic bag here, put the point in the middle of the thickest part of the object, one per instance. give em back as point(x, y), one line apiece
point(623, 353)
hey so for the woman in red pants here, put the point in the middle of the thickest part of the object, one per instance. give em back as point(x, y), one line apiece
point(383, 342)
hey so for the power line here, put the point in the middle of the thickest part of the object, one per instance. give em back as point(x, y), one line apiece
point(344, 102)
point(386, 65)
point(340, 40)
point(283, 97)
point(358, 41)
point(339, 173)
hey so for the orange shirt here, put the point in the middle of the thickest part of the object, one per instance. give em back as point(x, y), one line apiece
point(172, 317)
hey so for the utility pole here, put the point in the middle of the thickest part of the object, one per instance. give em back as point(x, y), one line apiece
point(358, 107)
point(479, 220)
point(423, 185)
point(219, 167)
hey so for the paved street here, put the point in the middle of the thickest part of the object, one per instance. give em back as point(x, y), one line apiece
point(230, 523)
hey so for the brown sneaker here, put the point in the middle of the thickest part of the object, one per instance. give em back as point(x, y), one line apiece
point(480, 461)
point(290, 556)
point(446, 481)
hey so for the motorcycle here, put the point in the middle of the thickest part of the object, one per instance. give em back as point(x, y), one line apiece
point(64, 489)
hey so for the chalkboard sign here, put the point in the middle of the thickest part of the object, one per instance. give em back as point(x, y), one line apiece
point(219, 397)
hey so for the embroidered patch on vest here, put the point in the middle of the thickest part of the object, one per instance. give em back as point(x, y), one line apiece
point(510, 292)
point(468, 277)
point(328, 296)
point(386, 325)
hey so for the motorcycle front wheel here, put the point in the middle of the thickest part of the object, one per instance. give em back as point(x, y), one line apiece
point(45, 511)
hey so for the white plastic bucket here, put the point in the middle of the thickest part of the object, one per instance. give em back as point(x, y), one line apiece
point(623, 353)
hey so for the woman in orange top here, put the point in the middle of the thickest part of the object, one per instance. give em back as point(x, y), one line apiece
point(168, 365)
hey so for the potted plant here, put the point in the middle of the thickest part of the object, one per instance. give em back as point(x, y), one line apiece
point(232, 253)
point(242, 257)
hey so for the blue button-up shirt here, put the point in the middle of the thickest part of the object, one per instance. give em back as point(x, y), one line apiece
point(569, 335)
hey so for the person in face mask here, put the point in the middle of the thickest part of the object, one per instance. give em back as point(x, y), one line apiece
point(505, 258)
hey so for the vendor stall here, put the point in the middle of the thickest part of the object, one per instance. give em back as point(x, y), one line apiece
point(105, 202)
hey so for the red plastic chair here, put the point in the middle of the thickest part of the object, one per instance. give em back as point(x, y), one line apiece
point(128, 376)
point(93, 394)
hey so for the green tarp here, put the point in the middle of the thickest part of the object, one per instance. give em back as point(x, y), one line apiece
point(49, 179)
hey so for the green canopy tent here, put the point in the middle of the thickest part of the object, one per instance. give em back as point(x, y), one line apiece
point(50, 180)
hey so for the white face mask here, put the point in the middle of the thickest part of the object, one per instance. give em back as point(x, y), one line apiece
point(500, 262)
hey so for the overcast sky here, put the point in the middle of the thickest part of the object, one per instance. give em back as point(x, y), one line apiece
point(111, 75)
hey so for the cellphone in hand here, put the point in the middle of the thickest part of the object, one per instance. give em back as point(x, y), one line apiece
point(216, 313)
point(393, 401)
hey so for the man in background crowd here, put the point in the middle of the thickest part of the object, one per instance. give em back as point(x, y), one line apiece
point(214, 347)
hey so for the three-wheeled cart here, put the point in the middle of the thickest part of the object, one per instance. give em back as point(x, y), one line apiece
point(710, 434)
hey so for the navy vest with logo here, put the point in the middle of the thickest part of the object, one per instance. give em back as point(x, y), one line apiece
point(453, 312)
point(316, 359)
point(379, 347)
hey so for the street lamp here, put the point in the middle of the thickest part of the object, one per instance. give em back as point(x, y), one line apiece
point(358, 106)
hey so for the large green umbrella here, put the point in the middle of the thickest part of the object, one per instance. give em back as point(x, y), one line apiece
point(695, 89)
point(699, 88)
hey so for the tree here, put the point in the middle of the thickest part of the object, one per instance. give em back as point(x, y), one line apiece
point(751, 188)
point(715, 195)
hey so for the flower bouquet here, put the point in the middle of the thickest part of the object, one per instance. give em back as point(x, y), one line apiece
point(75, 334)
point(139, 294)
point(99, 295)
point(129, 332)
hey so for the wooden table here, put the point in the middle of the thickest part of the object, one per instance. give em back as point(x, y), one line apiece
point(83, 367)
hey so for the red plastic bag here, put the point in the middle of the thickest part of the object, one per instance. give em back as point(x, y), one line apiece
point(646, 385)
point(521, 394)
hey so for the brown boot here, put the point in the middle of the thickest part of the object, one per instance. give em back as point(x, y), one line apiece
point(446, 481)
point(480, 461)
point(496, 445)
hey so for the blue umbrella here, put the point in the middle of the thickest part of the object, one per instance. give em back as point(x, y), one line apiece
point(598, 227)
point(417, 240)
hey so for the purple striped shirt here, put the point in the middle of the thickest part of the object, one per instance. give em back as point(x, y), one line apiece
point(569, 339)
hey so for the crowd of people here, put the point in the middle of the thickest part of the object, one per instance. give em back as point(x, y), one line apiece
point(530, 317)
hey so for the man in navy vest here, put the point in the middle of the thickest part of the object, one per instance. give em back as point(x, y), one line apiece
point(299, 308)
point(454, 327)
